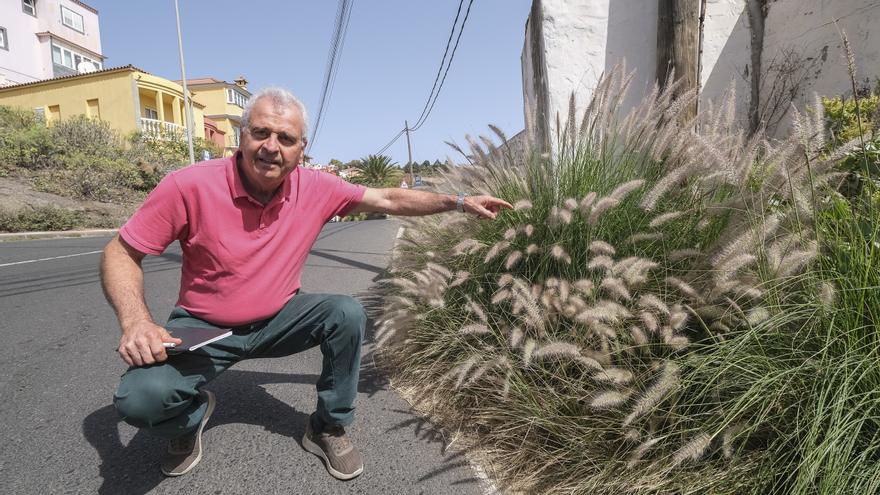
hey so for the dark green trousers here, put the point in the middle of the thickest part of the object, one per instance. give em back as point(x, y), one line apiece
point(163, 398)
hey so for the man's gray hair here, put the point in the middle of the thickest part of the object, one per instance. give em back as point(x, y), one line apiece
point(279, 97)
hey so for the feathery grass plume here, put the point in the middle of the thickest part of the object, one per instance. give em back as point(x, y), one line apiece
point(495, 250)
point(643, 237)
point(680, 254)
point(729, 268)
point(476, 375)
point(601, 262)
point(532, 249)
point(505, 279)
point(673, 177)
point(474, 329)
point(407, 285)
point(677, 317)
point(570, 204)
point(509, 234)
point(516, 336)
point(522, 204)
point(559, 216)
point(463, 370)
point(640, 452)
point(602, 330)
point(512, 259)
point(559, 254)
point(604, 311)
point(664, 218)
point(601, 207)
point(727, 439)
point(551, 282)
point(467, 246)
point(587, 202)
point(615, 287)
point(623, 190)
point(439, 269)
point(678, 342)
point(601, 247)
point(632, 435)
point(394, 301)
point(608, 399)
point(746, 241)
point(450, 221)
point(556, 350)
point(501, 295)
point(650, 301)
point(618, 376)
point(589, 362)
point(795, 261)
point(475, 309)
point(668, 380)
point(564, 290)
point(757, 315)
point(584, 286)
point(638, 336)
point(528, 230)
point(460, 278)
point(827, 294)
point(525, 299)
point(692, 450)
point(637, 273)
point(528, 350)
point(650, 321)
point(683, 287)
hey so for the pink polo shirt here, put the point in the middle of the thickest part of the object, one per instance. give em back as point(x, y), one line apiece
point(241, 260)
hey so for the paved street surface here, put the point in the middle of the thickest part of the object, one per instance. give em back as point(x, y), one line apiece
point(58, 369)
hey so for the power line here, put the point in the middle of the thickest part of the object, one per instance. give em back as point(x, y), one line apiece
point(393, 140)
point(436, 95)
point(334, 60)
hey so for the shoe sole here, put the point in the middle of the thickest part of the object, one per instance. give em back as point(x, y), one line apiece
point(212, 403)
point(312, 447)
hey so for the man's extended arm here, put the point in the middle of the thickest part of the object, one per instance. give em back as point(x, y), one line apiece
point(409, 202)
point(122, 279)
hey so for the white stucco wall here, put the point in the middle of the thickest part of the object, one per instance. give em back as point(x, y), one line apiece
point(583, 38)
point(807, 29)
point(20, 63)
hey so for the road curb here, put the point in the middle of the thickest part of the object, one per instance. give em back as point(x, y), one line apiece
point(61, 234)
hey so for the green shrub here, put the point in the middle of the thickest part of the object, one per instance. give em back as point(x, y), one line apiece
point(47, 218)
point(649, 318)
point(92, 177)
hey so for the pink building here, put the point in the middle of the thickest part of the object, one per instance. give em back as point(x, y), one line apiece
point(43, 39)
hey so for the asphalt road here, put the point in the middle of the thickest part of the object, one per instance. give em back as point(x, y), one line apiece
point(59, 432)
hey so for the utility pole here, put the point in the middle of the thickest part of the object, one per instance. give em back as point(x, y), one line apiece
point(412, 176)
point(678, 40)
point(186, 103)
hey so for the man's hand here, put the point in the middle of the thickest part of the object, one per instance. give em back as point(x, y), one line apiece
point(485, 206)
point(142, 343)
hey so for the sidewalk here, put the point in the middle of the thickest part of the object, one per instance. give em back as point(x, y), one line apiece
point(21, 236)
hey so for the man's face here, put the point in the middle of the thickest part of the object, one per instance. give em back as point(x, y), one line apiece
point(272, 145)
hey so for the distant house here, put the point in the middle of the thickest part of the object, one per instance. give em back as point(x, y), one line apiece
point(128, 98)
point(43, 39)
point(224, 104)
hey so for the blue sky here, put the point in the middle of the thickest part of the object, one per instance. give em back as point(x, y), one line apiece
point(390, 58)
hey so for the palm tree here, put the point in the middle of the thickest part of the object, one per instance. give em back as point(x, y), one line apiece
point(378, 171)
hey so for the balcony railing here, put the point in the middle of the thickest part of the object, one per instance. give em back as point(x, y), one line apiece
point(162, 130)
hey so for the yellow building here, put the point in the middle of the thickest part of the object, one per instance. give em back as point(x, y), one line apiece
point(128, 98)
point(224, 103)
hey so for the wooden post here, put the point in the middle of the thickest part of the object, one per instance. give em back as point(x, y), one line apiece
point(678, 38)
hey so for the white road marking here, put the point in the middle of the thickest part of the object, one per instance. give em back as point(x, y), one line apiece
point(48, 259)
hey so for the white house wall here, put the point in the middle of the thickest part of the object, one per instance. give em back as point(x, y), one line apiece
point(584, 38)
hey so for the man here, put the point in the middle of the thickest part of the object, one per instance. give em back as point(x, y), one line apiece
point(246, 225)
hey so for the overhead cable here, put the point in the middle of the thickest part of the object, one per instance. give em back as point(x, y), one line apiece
point(334, 60)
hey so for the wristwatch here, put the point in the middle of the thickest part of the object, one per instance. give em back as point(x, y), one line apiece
point(459, 203)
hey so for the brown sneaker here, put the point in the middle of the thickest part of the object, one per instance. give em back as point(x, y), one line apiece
point(186, 451)
point(332, 444)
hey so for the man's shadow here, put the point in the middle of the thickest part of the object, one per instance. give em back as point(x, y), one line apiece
point(134, 468)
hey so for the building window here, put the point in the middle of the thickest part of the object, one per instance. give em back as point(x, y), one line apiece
point(235, 137)
point(233, 96)
point(3, 43)
point(71, 19)
point(150, 113)
point(29, 7)
point(71, 59)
